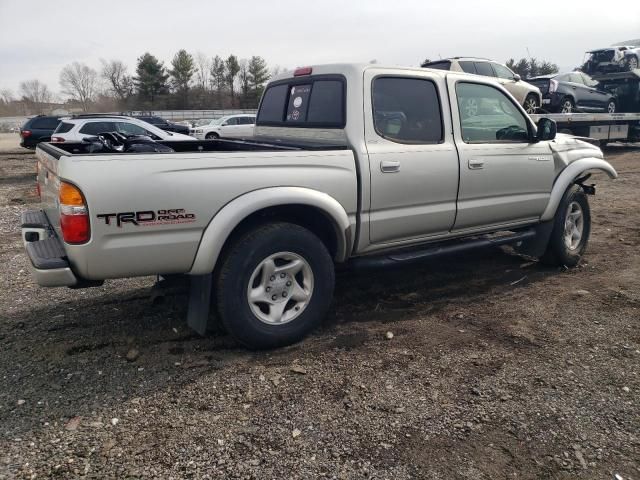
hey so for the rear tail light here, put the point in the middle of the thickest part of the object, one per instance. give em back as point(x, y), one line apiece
point(74, 215)
point(25, 133)
point(57, 140)
point(553, 86)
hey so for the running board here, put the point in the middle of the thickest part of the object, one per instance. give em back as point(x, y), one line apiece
point(441, 249)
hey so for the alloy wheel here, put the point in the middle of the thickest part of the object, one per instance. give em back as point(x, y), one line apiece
point(280, 288)
point(573, 226)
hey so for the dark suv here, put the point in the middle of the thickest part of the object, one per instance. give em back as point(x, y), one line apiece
point(38, 129)
point(163, 124)
point(574, 91)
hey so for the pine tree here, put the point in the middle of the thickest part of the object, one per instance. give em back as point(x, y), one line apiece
point(232, 67)
point(151, 79)
point(258, 76)
point(183, 68)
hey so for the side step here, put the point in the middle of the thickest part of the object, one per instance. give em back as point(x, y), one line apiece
point(440, 249)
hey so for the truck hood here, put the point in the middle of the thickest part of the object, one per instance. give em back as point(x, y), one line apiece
point(567, 149)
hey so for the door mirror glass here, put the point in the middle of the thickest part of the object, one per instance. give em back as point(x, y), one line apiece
point(547, 129)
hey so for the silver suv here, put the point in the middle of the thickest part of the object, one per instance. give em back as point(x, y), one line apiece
point(526, 94)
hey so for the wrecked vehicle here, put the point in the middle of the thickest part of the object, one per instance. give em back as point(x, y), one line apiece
point(611, 59)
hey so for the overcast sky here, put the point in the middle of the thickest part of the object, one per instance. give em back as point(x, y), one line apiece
point(39, 37)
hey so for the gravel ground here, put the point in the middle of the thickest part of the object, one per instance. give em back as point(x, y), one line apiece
point(497, 368)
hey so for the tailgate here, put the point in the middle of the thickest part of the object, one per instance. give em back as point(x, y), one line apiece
point(48, 184)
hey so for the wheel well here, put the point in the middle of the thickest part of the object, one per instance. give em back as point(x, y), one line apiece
point(309, 217)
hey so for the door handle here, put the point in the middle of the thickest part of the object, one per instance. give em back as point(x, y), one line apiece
point(476, 163)
point(390, 166)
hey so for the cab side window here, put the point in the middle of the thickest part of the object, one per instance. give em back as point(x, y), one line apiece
point(407, 110)
point(231, 121)
point(488, 116)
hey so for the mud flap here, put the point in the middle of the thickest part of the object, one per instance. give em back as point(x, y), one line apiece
point(537, 245)
point(199, 302)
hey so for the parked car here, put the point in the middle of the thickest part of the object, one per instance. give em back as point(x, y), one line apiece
point(574, 91)
point(611, 59)
point(527, 95)
point(230, 126)
point(37, 129)
point(163, 124)
point(75, 129)
point(202, 122)
point(350, 163)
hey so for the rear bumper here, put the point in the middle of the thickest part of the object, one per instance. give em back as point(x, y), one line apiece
point(49, 264)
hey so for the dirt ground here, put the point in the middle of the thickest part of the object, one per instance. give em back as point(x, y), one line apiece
point(9, 142)
point(498, 368)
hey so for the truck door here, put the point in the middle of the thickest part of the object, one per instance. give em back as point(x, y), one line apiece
point(413, 161)
point(505, 178)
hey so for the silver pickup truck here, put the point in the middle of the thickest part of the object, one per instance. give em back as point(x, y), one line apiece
point(348, 163)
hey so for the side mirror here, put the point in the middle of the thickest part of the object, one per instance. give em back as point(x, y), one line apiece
point(547, 130)
point(517, 77)
point(224, 124)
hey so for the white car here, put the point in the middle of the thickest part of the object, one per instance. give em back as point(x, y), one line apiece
point(75, 129)
point(228, 126)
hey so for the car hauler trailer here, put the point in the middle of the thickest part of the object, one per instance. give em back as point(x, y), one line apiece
point(623, 126)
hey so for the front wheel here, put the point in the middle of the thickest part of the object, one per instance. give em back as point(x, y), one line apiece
point(571, 229)
point(632, 64)
point(275, 285)
point(531, 104)
point(212, 136)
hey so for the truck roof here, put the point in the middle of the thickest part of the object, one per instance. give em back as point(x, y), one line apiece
point(352, 70)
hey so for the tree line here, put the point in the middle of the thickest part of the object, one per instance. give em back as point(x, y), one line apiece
point(188, 82)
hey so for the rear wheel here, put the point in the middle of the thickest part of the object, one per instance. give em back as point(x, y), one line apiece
point(275, 285)
point(212, 136)
point(571, 229)
point(632, 64)
point(567, 105)
point(531, 104)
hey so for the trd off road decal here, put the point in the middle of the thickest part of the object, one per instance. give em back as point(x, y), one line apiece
point(148, 217)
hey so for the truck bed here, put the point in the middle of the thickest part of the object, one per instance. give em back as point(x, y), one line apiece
point(218, 145)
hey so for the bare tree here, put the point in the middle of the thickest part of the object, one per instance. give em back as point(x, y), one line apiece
point(6, 95)
point(79, 82)
point(203, 70)
point(120, 83)
point(36, 94)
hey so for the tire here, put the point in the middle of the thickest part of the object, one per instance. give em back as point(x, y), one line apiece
point(212, 136)
point(611, 106)
point(531, 104)
point(246, 270)
point(632, 64)
point(559, 252)
point(567, 105)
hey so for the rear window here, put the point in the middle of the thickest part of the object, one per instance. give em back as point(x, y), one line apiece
point(307, 102)
point(95, 128)
point(45, 123)
point(438, 65)
point(64, 127)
